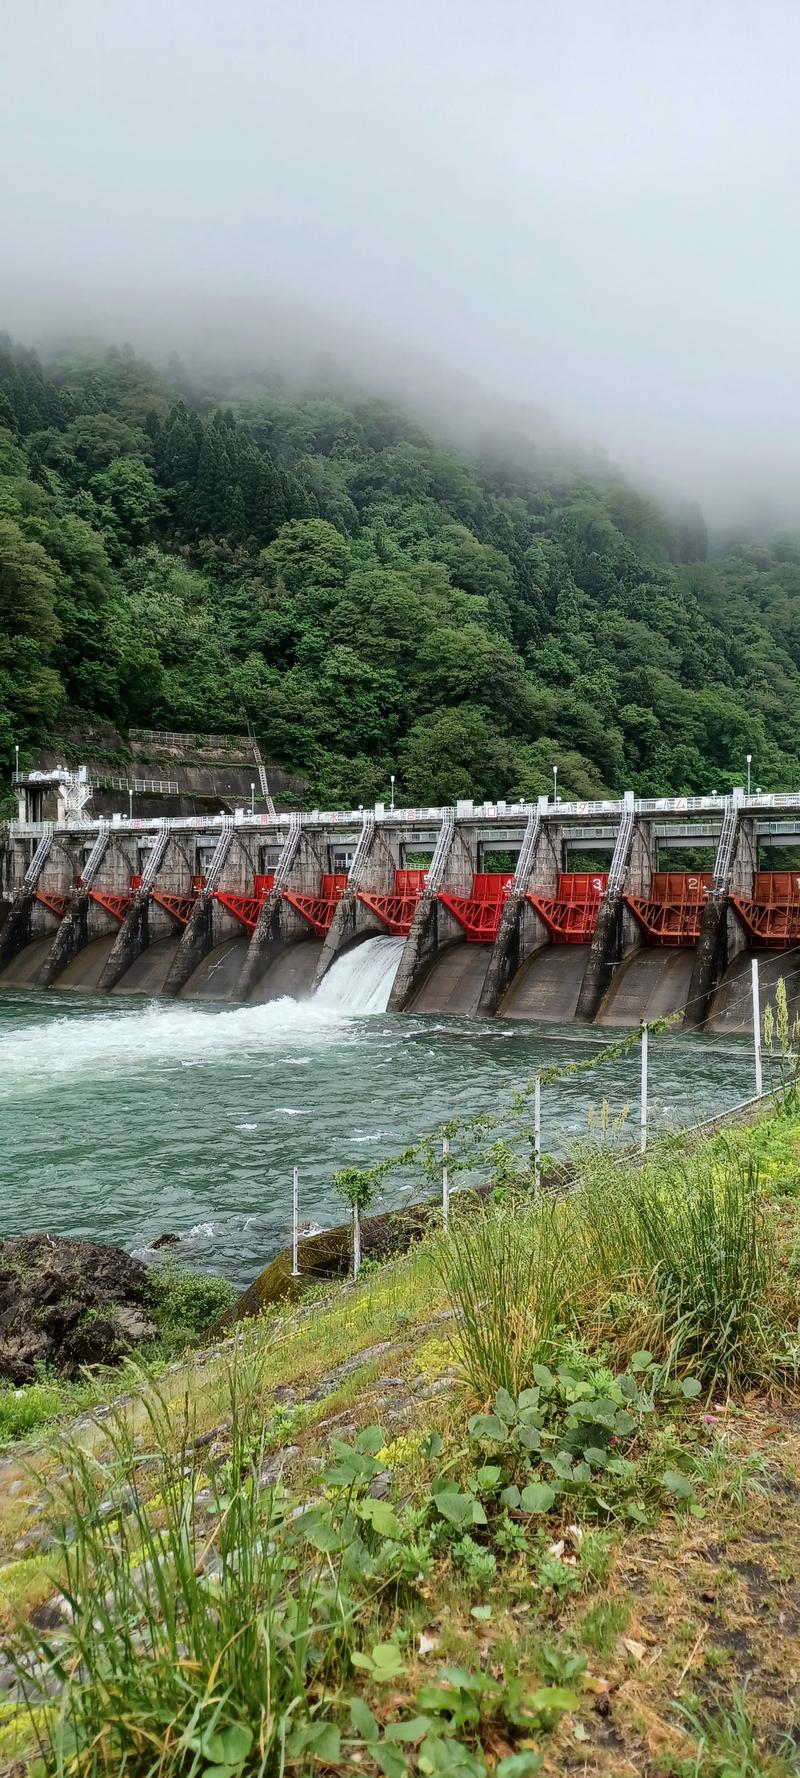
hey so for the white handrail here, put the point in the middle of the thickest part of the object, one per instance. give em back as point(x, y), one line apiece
point(359, 860)
point(436, 868)
point(288, 853)
point(527, 851)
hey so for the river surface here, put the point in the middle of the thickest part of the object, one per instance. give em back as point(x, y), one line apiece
point(122, 1120)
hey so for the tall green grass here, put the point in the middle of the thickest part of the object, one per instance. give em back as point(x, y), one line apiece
point(680, 1257)
point(709, 1251)
point(683, 1259)
point(195, 1629)
point(508, 1271)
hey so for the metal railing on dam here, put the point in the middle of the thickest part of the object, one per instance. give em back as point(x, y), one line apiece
point(514, 813)
point(498, 813)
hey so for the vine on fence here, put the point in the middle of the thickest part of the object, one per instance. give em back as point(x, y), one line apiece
point(358, 1186)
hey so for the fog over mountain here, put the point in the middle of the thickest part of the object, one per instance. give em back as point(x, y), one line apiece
point(588, 210)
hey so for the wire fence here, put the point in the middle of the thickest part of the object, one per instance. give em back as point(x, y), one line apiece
point(139, 786)
point(186, 742)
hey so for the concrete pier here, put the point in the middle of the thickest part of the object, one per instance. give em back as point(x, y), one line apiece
point(721, 936)
point(196, 941)
point(71, 937)
point(307, 855)
point(18, 927)
point(433, 927)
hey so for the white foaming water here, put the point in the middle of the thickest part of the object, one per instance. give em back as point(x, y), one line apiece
point(361, 980)
point(167, 1032)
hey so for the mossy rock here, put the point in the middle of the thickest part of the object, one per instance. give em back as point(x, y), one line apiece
point(329, 1256)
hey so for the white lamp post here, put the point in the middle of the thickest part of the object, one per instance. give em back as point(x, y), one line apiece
point(16, 759)
point(130, 805)
point(749, 763)
point(391, 805)
point(252, 799)
point(555, 784)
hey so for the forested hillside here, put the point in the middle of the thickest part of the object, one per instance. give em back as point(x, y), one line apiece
point(373, 601)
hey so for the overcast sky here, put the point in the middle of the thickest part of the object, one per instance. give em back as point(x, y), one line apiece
point(587, 204)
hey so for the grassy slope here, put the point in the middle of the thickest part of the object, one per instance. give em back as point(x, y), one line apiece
point(700, 1606)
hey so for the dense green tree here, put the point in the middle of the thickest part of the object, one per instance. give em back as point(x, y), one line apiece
point(454, 753)
point(128, 489)
point(307, 552)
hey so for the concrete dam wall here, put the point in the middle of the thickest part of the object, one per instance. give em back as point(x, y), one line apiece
point(474, 912)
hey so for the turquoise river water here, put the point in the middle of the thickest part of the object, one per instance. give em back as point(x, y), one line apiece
point(121, 1120)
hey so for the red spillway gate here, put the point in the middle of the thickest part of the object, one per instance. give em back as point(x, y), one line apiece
point(571, 914)
point(672, 912)
point(245, 908)
point(771, 918)
point(397, 909)
point(319, 910)
point(179, 906)
point(116, 904)
point(479, 913)
point(57, 904)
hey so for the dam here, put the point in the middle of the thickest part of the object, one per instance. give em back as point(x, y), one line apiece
point(608, 913)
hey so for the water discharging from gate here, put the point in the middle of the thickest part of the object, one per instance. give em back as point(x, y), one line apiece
point(361, 980)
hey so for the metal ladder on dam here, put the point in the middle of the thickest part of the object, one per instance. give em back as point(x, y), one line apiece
point(358, 864)
point(96, 856)
point(618, 868)
point(527, 851)
point(438, 863)
point(261, 769)
point(723, 863)
point(219, 856)
point(289, 851)
point(55, 903)
point(39, 858)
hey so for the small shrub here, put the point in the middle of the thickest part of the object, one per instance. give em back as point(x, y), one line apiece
point(184, 1304)
point(23, 1411)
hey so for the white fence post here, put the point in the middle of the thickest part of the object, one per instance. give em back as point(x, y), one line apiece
point(295, 1221)
point(643, 1097)
point(356, 1241)
point(445, 1181)
point(757, 1028)
point(537, 1130)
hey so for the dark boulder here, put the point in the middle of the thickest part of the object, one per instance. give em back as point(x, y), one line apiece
point(65, 1304)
